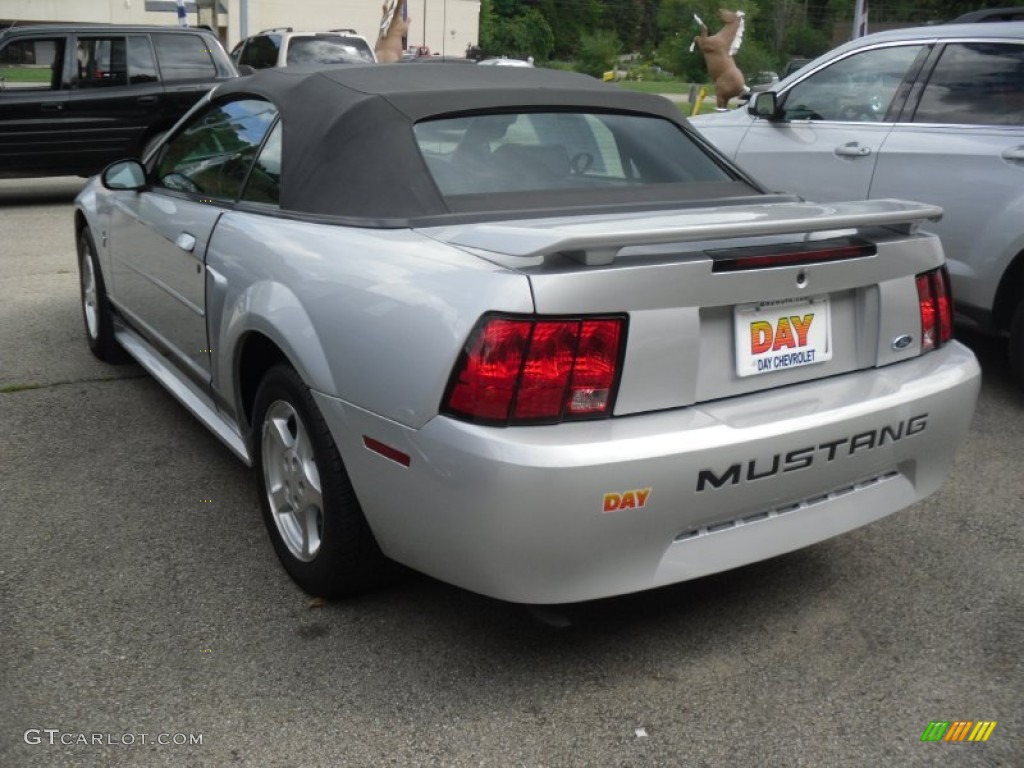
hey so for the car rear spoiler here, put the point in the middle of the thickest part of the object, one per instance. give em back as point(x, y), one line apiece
point(596, 241)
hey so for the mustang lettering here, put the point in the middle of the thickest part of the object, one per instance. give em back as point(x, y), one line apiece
point(803, 458)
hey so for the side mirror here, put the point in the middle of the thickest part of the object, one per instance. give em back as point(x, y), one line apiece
point(124, 175)
point(245, 69)
point(764, 105)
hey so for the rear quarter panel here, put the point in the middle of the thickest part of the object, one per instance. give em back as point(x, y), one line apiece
point(373, 317)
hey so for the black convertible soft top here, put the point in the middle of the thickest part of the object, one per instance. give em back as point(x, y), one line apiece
point(348, 143)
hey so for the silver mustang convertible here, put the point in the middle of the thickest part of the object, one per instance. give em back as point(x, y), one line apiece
point(522, 331)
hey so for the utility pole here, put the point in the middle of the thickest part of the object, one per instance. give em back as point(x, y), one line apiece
point(860, 19)
point(243, 19)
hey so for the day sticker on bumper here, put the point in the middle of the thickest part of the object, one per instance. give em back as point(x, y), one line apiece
point(632, 499)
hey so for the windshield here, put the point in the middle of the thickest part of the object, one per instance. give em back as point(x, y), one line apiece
point(537, 151)
point(329, 50)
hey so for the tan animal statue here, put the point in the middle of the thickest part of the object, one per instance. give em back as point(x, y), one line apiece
point(718, 50)
point(393, 30)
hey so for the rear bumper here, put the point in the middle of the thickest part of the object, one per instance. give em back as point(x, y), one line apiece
point(581, 511)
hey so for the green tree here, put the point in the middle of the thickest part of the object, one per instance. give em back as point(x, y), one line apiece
point(487, 19)
point(753, 58)
point(569, 21)
point(623, 17)
point(648, 33)
point(597, 52)
point(910, 11)
point(806, 42)
point(523, 33)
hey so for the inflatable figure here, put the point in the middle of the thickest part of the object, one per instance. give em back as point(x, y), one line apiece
point(394, 26)
point(718, 50)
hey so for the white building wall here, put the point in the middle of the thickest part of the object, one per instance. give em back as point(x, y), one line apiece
point(446, 26)
point(110, 11)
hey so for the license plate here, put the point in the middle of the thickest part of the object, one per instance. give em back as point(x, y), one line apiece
point(779, 335)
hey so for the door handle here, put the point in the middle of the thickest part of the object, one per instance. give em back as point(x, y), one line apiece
point(186, 242)
point(1014, 153)
point(853, 149)
point(52, 106)
point(146, 100)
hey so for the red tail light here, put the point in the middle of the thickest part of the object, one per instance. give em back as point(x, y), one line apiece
point(936, 308)
point(518, 370)
point(944, 297)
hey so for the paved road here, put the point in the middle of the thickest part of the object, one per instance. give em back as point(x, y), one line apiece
point(130, 606)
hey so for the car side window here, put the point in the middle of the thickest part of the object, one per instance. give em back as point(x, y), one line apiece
point(975, 84)
point(212, 155)
point(857, 88)
point(101, 62)
point(141, 62)
point(184, 57)
point(264, 184)
point(261, 52)
point(36, 64)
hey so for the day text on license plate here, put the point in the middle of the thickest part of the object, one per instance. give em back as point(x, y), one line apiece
point(779, 335)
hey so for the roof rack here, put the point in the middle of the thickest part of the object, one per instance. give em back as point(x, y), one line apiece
point(350, 31)
point(275, 29)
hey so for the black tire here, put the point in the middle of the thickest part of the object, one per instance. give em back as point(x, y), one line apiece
point(1017, 345)
point(327, 548)
point(96, 316)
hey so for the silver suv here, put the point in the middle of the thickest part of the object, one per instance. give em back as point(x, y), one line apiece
point(933, 114)
point(284, 46)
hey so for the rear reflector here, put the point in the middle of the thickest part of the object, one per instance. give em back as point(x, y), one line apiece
point(518, 370)
point(387, 451)
point(936, 301)
point(789, 254)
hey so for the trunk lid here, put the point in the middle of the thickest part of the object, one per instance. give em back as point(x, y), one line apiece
point(730, 299)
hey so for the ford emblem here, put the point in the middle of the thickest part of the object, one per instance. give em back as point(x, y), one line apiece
point(902, 342)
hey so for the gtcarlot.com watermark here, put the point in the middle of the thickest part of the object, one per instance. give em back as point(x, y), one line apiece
point(55, 736)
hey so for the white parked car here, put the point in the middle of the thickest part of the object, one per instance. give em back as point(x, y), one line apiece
point(505, 62)
point(283, 46)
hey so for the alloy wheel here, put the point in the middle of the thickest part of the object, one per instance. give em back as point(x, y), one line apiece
point(89, 303)
point(292, 481)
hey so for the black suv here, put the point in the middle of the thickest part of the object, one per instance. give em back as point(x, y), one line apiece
point(76, 97)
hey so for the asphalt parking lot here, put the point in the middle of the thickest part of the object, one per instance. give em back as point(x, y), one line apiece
point(140, 597)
